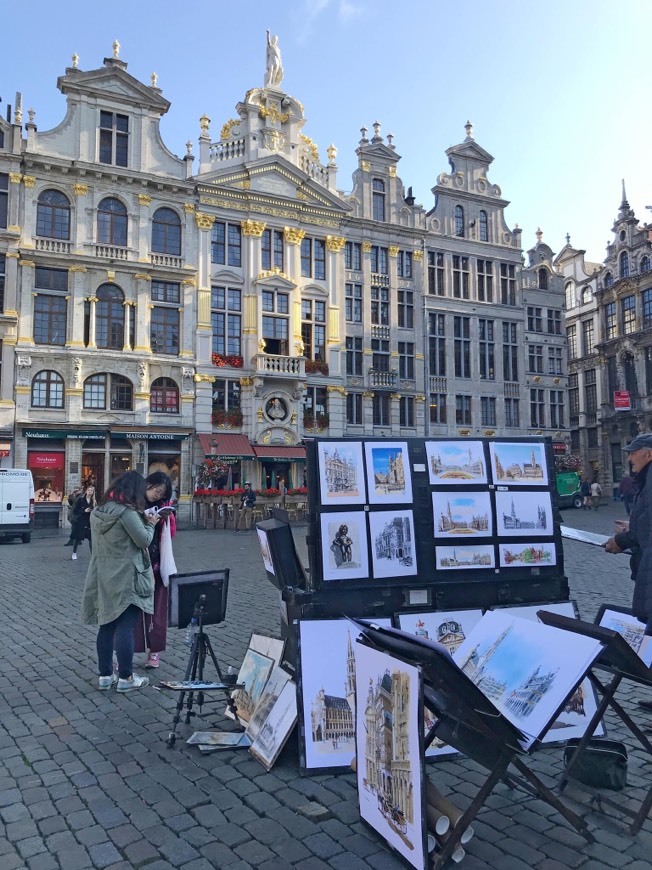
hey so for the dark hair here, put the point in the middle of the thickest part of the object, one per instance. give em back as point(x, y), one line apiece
point(127, 489)
point(159, 478)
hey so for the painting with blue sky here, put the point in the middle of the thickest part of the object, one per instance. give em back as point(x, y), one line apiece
point(388, 472)
point(463, 515)
point(458, 462)
point(518, 463)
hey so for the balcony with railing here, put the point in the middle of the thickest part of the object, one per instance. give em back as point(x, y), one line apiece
point(511, 390)
point(270, 365)
point(227, 149)
point(437, 384)
point(111, 252)
point(382, 379)
point(167, 260)
point(379, 280)
point(53, 246)
point(380, 332)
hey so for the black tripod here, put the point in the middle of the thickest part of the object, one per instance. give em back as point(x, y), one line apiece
point(201, 648)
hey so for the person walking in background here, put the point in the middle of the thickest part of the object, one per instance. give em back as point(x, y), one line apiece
point(596, 494)
point(150, 632)
point(627, 491)
point(81, 520)
point(71, 498)
point(585, 492)
point(119, 582)
point(247, 501)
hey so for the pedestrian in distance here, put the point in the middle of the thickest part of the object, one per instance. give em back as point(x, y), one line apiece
point(585, 492)
point(247, 502)
point(596, 495)
point(71, 498)
point(119, 582)
point(627, 492)
point(150, 633)
point(81, 520)
point(635, 536)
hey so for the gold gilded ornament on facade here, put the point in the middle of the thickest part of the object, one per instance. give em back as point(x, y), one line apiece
point(225, 132)
point(313, 147)
point(204, 123)
point(80, 189)
point(368, 394)
point(274, 115)
point(292, 235)
point(15, 177)
point(335, 243)
point(391, 171)
point(252, 228)
point(366, 247)
point(29, 180)
point(417, 255)
point(144, 198)
point(189, 207)
point(393, 250)
point(365, 166)
point(204, 221)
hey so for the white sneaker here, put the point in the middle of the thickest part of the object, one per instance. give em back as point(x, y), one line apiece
point(74, 556)
point(134, 682)
point(105, 683)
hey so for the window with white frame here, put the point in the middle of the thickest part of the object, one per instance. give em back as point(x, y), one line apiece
point(165, 317)
point(378, 199)
point(382, 409)
point(487, 411)
point(485, 281)
point(50, 305)
point(226, 244)
point(406, 360)
point(313, 258)
point(166, 232)
point(105, 391)
point(47, 390)
point(437, 344)
point(272, 248)
point(226, 394)
point(354, 355)
point(276, 321)
point(405, 309)
point(406, 411)
point(555, 361)
point(380, 306)
point(487, 350)
point(571, 338)
point(353, 256)
point(628, 308)
point(226, 321)
point(313, 329)
point(353, 302)
point(436, 285)
point(354, 409)
point(460, 277)
point(114, 139)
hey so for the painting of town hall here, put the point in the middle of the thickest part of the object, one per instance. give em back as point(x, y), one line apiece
point(389, 746)
point(460, 515)
point(456, 462)
point(392, 543)
point(388, 472)
point(341, 473)
point(518, 463)
point(524, 513)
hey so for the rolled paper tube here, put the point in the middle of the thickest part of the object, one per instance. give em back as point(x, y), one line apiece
point(437, 821)
point(434, 845)
point(354, 764)
point(437, 800)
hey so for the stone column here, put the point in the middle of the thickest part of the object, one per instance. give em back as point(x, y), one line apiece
point(26, 304)
point(143, 296)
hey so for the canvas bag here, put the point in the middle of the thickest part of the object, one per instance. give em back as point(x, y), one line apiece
point(603, 763)
point(167, 566)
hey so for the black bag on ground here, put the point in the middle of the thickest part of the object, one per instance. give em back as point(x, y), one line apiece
point(603, 764)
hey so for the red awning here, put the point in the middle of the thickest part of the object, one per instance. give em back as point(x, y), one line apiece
point(227, 445)
point(282, 454)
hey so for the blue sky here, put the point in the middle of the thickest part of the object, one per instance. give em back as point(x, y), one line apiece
point(557, 92)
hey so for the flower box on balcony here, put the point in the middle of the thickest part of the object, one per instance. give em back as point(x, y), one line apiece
point(316, 367)
point(315, 422)
point(227, 359)
point(229, 419)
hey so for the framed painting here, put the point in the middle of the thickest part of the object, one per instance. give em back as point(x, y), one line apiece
point(265, 551)
point(462, 514)
point(392, 543)
point(518, 463)
point(268, 644)
point(461, 463)
point(530, 555)
point(388, 472)
point(463, 557)
point(277, 727)
point(625, 623)
point(277, 680)
point(526, 514)
point(341, 473)
point(254, 673)
point(345, 555)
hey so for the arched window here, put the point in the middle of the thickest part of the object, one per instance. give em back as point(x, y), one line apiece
point(164, 396)
point(569, 290)
point(543, 279)
point(459, 220)
point(484, 227)
point(112, 222)
point(608, 279)
point(47, 390)
point(53, 215)
point(166, 232)
point(624, 265)
point(110, 317)
point(587, 295)
point(645, 263)
point(378, 199)
point(118, 389)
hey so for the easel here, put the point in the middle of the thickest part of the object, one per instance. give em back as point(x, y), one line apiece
point(469, 722)
point(620, 660)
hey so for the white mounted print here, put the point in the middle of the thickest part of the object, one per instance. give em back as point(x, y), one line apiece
point(458, 462)
point(518, 463)
point(526, 514)
point(530, 555)
point(341, 474)
point(392, 544)
point(462, 515)
point(464, 557)
point(631, 629)
point(388, 472)
point(344, 546)
point(265, 551)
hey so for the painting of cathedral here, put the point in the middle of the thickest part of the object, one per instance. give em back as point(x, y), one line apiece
point(459, 462)
point(341, 472)
point(465, 557)
point(392, 544)
point(631, 629)
point(389, 739)
point(462, 515)
point(518, 463)
point(524, 514)
point(388, 472)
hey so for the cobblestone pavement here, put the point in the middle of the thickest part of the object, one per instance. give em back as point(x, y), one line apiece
point(86, 779)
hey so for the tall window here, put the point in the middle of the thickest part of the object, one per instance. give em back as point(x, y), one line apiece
point(512, 416)
point(276, 310)
point(272, 249)
point(460, 277)
point(114, 138)
point(590, 391)
point(382, 409)
point(436, 273)
point(574, 399)
point(437, 344)
point(313, 329)
point(557, 409)
point(164, 396)
point(53, 215)
point(555, 361)
point(226, 244)
point(313, 258)
point(610, 321)
point(535, 359)
point(50, 305)
point(628, 307)
point(354, 356)
point(485, 281)
point(406, 309)
point(226, 321)
point(406, 411)
point(315, 401)
point(483, 227)
point(646, 299)
point(112, 222)
point(165, 318)
point(110, 317)
point(166, 232)
point(624, 265)
point(226, 395)
point(404, 264)
point(380, 306)
point(569, 295)
point(608, 279)
point(554, 321)
point(534, 319)
point(571, 337)
point(380, 355)
point(378, 199)
point(47, 390)
point(507, 284)
point(463, 410)
point(118, 390)
point(458, 218)
point(510, 352)
point(645, 264)
point(406, 360)
point(353, 256)
point(462, 346)
point(543, 278)
point(487, 351)
point(487, 411)
point(379, 260)
point(437, 407)
point(3, 267)
point(354, 409)
point(353, 303)
point(537, 409)
point(4, 199)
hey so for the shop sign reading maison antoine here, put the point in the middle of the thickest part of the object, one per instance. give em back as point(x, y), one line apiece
point(150, 436)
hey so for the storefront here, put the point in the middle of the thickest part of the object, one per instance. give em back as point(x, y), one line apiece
point(221, 460)
point(155, 450)
point(5, 452)
point(281, 466)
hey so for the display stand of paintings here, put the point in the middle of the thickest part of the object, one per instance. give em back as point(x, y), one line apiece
point(622, 620)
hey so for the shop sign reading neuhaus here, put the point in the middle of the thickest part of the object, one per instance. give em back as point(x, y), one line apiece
point(70, 434)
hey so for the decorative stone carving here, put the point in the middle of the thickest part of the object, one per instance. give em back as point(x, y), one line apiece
point(23, 366)
point(276, 409)
point(292, 235)
point(252, 228)
point(77, 372)
point(142, 374)
point(335, 243)
point(187, 378)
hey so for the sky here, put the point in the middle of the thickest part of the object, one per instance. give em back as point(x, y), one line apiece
point(557, 91)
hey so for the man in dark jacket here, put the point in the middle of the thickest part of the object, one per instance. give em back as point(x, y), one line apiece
point(637, 538)
point(247, 501)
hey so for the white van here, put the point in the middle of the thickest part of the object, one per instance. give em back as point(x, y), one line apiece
point(16, 504)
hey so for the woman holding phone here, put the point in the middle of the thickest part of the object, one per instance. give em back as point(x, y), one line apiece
point(150, 632)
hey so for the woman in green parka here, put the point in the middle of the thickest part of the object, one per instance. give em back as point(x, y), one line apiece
point(119, 583)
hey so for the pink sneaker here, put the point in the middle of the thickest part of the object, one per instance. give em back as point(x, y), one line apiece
point(153, 660)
